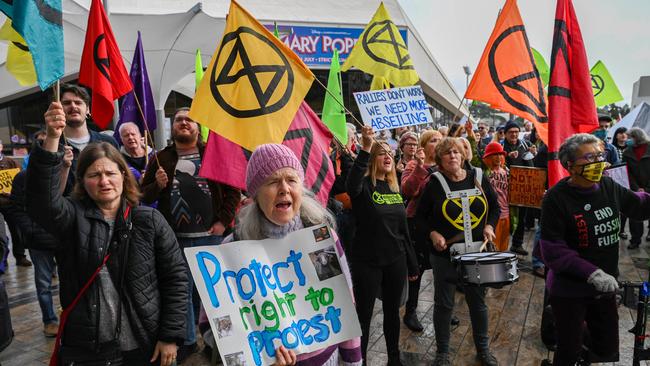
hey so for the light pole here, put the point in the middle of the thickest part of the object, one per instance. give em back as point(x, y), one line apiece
point(468, 72)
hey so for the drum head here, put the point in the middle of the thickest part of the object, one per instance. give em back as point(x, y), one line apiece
point(486, 257)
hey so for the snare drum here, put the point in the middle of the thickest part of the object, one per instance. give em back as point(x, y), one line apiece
point(491, 269)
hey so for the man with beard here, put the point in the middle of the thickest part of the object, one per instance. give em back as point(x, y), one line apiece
point(75, 101)
point(200, 211)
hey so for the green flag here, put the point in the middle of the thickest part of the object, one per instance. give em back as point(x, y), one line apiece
point(542, 66)
point(333, 113)
point(605, 89)
point(276, 32)
point(198, 75)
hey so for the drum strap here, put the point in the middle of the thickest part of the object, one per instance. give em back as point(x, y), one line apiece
point(464, 195)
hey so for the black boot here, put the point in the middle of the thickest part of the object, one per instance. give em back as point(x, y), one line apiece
point(411, 321)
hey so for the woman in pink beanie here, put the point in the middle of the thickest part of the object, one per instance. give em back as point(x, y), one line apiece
point(280, 205)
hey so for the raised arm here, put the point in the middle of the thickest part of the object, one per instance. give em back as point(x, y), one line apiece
point(354, 183)
point(44, 200)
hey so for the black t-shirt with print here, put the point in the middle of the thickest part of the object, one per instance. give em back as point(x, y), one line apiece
point(588, 221)
point(438, 213)
point(381, 230)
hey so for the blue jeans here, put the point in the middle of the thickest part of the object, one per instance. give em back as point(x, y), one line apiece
point(191, 315)
point(44, 266)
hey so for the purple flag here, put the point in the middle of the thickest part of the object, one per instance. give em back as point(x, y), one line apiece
point(141, 88)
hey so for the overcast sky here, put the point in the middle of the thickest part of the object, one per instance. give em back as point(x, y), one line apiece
point(615, 31)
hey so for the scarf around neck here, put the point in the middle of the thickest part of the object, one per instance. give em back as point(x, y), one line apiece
point(273, 231)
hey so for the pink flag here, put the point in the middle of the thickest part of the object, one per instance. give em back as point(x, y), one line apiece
point(225, 161)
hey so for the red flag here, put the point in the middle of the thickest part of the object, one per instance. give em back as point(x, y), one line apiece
point(571, 103)
point(308, 137)
point(102, 68)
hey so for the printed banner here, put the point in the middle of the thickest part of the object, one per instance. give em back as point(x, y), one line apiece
point(262, 294)
point(527, 186)
point(391, 108)
point(6, 179)
point(619, 174)
point(315, 45)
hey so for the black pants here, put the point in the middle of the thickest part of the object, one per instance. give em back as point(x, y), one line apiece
point(601, 318)
point(108, 355)
point(368, 281)
point(419, 243)
point(518, 235)
point(636, 231)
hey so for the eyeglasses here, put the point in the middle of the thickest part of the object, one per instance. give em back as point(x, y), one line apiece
point(410, 144)
point(481, 127)
point(594, 157)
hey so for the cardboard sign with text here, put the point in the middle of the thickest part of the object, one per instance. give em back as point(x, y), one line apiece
point(261, 294)
point(6, 179)
point(527, 186)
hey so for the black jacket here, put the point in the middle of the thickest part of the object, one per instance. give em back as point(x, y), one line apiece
point(522, 147)
point(33, 235)
point(148, 271)
point(638, 170)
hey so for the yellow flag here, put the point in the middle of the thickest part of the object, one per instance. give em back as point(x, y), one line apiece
point(19, 59)
point(381, 51)
point(379, 83)
point(253, 86)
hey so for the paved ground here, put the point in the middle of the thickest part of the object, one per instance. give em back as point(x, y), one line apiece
point(515, 313)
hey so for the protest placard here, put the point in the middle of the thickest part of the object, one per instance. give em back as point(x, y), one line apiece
point(619, 174)
point(6, 179)
point(527, 186)
point(261, 294)
point(392, 108)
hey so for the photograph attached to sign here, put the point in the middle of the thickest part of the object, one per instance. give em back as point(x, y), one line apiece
point(322, 233)
point(223, 325)
point(235, 359)
point(326, 263)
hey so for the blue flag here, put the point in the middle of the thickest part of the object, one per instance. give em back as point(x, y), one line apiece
point(40, 23)
point(6, 6)
point(142, 89)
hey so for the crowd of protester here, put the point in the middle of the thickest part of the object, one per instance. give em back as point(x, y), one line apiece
point(111, 219)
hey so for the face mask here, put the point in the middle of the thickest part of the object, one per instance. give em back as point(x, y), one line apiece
point(629, 142)
point(593, 172)
point(601, 134)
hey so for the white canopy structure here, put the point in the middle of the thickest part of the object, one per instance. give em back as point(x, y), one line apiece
point(638, 117)
point(172, 31)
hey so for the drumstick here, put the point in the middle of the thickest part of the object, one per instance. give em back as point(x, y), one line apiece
point(483, 246)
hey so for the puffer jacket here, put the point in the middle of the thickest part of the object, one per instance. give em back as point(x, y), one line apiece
point(34, 236)
point(148, 271)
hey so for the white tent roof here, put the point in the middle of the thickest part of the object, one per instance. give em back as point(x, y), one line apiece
point(638, 117)
point(172, 30)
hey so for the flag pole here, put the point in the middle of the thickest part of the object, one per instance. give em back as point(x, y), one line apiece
point(56, 90)
point(359, 123)
point(146, 126)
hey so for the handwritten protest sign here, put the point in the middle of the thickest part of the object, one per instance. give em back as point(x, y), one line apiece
point(392, 108)
point(6, 179)
point(262, 294)
point(527, 186)
point(619, 174)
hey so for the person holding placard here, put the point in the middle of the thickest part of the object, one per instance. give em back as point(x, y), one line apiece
point(441, 215)
point(381, 254)
point(122, 275)
point(281, 205)
point(580, 246)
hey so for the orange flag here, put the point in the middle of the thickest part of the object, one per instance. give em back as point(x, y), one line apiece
point(506, 77)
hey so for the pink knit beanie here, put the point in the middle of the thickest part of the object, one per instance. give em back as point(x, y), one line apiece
point(267, 159)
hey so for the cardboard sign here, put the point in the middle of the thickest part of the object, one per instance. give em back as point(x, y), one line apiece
point(259, 295)
point(6, 179)
point(527, 186)
point(391, 108)
point(619, 174)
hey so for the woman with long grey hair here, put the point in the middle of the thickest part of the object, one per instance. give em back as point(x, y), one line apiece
point(281, 205)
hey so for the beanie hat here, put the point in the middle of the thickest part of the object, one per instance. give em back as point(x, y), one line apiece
point(266, 160)
point(493, 148)
point(406, 136)
point(512, 124)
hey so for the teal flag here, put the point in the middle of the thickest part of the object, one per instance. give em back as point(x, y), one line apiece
point(40, 23)
point(333, 112)
point(542, 66)
point(6, 6)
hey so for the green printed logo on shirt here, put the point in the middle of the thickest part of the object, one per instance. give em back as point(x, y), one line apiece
point(387, 198)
